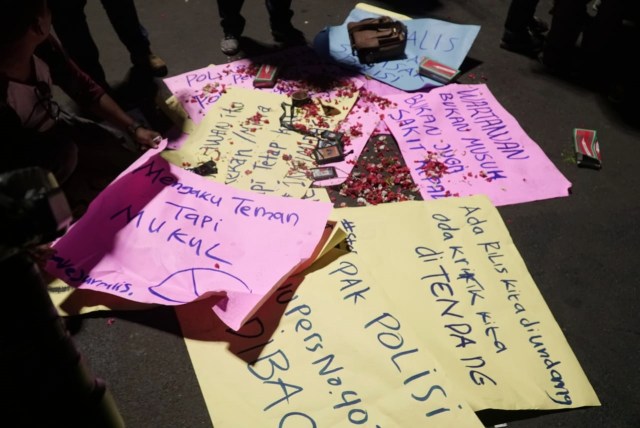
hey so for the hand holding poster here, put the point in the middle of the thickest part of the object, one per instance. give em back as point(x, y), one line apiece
point(160, 234)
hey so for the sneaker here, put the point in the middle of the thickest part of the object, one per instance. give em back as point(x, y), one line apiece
point(230, 45)
point(288, 35)
point(522, 43)
point(151, 62)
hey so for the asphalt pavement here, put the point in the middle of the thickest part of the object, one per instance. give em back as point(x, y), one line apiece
point(581, 250)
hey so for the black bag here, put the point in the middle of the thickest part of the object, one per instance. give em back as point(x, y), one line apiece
point(377, 39)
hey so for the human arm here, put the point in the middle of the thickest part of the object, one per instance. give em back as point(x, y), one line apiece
point(107, 108)
point(82, 89)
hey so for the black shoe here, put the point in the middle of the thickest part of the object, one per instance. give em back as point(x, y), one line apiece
point(230, 44)
point(288, 35)
point(537, 26)
point(151, 63)
point(522, 43)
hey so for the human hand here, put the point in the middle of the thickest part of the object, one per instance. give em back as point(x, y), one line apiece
point(147, 138)
point(41, 254)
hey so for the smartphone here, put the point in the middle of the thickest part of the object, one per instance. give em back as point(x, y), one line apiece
point(323, 173)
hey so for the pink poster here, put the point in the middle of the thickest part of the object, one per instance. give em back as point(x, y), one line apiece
point(163, 235)
point(198, 90)
point(299, 68)
point(459, 141)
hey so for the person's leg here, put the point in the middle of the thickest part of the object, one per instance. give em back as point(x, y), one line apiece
point(602, 38)
point(568, 21)
point(519, 15)
point(70, 25)
point(232, 23)
point(280, 15)
point(604, 49)
point(517, 36)
point(62, 158)
point(123, 16)
point(231, 20)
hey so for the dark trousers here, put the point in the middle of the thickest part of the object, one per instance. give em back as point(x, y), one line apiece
point(233, 22)
point(567, 22)
point(604, 36)
point(520, 15)
point(600, 34)
point(70, 25)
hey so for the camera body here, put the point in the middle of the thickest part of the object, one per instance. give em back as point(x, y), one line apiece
point(33, 210)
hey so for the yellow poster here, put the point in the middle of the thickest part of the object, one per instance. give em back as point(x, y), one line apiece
point(313, 357)
point(248, 133)
point(451, 269)
point(430, 315)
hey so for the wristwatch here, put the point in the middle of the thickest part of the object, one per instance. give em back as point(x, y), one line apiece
point(131, 129)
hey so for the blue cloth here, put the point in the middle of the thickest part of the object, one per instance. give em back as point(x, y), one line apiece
point(442, 41)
